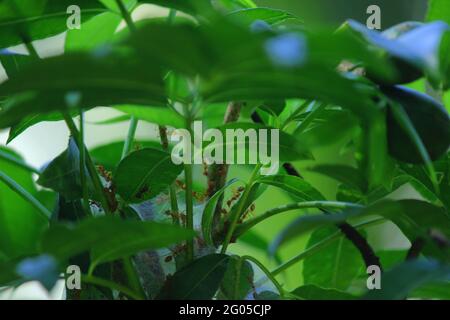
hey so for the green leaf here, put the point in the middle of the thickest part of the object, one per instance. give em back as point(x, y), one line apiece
point(144, 174)
point(193, 7)
point(30, 121)
point(13, 62)
point(109, 155)
point(270, 16)
point(438, 10)
point(398, 282)
point(430, 119)
point(199, 280)
point(63, 174)
point(80, 80)
point(312, 292)
point(238, 279)
point(39, 19)
point(342, 173)
point(97, 31)
point(110, 238)
point(208, 213)
point(298, 187)
point(335, 266)
point(21, 224)
point(158, 115)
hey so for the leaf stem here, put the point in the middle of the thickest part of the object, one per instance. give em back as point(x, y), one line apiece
point(89, 163)
point(83, 179)
point(130, 137)
point(293, 206)
point(14, 186)
point(269, 275)
point(188, 181)
point(126, 15)
point(241, 207)
point(111, 285)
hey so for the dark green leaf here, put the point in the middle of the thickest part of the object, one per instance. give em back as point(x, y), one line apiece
point(63, 174)
point(335, 266)
point(110, 238)
point(39, 19)
point(238, 279)
point(144, 174)
point(430, 119)
point(342, 173)
point(199, 280)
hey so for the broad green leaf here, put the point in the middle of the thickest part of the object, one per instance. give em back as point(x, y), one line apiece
point(229, 75)
point(13, 62)
point(335, 266)
point(98, 31)
point(193, 7)
point(238, 279)
point(332, 127)
point(63, 174)
point(109, 238)
point(296, 186)
point(82, 80)
point(430, 119)
point(342, 173)
point(199, 280)
point(144, 174)
point(109, 155)
point(20, 223)
point(157, 115)
point(30, 121)
point(398, 282)
point(313, 292)
point(39, 19)
point(209, 211)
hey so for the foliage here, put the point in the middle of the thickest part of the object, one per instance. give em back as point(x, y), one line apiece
point(128, 208)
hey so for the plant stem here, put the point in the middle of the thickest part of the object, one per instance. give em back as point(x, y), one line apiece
point(89, 163)
point(83, 179)
point(130, 137)
point(293, 206)
point(310, 118)
point(188, 181)
point(241, 207)
point(11, 159)
point(126, 15)
point(267, 273)
point(111, 285)
point(14, 186)
point(133, 121)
